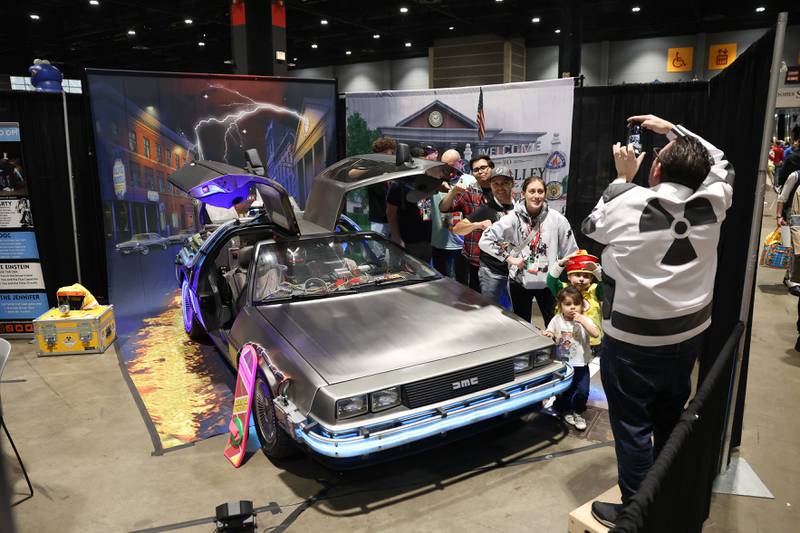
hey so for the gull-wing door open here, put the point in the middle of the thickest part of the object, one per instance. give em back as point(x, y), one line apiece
point(224, 186)
point(420, 177)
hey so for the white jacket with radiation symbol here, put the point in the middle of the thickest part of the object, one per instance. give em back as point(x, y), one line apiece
point(661, 255)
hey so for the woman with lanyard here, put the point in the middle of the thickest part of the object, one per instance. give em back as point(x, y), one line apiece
point(529, 240)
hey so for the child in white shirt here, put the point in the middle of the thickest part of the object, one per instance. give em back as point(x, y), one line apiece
point(571, 330)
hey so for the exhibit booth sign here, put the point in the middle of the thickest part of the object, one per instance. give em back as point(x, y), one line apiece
point(526, 126)
point(22, 290)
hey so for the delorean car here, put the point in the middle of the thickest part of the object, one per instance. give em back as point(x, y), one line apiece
point(363, 349)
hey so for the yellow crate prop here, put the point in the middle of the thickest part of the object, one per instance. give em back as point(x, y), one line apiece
point(80, 331)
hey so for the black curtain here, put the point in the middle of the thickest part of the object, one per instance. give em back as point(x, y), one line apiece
point(599, 121)
point(737, 103)
point(41, 118)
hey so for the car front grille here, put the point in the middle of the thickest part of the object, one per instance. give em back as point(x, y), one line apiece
point(455, 384)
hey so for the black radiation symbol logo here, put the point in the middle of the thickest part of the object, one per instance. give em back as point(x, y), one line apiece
point(697, 212)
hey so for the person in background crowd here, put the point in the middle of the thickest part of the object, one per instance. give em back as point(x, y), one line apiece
point(776, 156)
point(377, 193)
point(446, 245)
point(530, 239)
point(789, 150)
point(659, 267)
point(492, 273)
point(571, 330)
point(431, 152)
point(790, 164)
point(409, 221)
point(465, 198)
point(788, 213)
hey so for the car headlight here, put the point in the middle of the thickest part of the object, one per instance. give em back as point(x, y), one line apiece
point(522, 363)
point(541, 357)
point(384, 399)
point(353, 406)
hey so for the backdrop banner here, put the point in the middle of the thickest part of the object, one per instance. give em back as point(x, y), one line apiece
point(22, 294)
point(525, 126)
point(147, 125)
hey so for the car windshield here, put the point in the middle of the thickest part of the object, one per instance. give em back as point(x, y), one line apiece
point(341, 264)
point(141, 237)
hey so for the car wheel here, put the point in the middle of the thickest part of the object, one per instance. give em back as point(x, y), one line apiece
point(145, 250)
point(190, 322)
point(163, 246)
point(275, 443)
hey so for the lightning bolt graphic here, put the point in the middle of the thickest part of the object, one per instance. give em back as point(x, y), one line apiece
point(231, 120)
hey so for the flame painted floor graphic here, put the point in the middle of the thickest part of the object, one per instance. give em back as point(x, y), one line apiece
point(186, 388)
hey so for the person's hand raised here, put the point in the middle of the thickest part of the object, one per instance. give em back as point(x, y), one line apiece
point(626, 162)
point(653, 123)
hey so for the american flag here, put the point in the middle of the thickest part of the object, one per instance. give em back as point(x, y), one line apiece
point(481, 120)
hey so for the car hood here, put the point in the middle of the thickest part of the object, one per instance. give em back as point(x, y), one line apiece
point(130, 244)
point(352, 336)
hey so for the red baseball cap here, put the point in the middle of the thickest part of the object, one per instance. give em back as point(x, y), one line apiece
point(581, 263)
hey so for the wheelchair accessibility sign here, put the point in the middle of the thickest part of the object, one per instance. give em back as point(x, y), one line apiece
point(680, 59)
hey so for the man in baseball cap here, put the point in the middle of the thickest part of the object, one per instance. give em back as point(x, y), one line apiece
point(492, 273)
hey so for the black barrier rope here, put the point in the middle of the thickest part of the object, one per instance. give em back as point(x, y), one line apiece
point(637, 515)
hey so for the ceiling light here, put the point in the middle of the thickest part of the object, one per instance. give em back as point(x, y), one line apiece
point(228, 62)
point(408, 45)
point(294, 59)
point(636, 9)
point(451, 28)
point(188, 21)
point(201, 43)
point(292, 64)
point(403, 10)
point(558, 31)
point(131, 32)
point(94, 2)
point(347, 52)
point(314, 46)
point(498, 1)
point(34, 16)
point(760, 9)
point(376, 36)
point(323, 22)
point(536, 20)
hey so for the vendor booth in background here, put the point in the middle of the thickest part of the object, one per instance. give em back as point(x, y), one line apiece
point(78, 325)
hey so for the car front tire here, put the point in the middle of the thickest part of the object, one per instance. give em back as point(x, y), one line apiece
point(191, 324)
point(275, 443)
point(145, 250)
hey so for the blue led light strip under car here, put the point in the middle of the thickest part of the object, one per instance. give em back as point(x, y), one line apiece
point(456, 416)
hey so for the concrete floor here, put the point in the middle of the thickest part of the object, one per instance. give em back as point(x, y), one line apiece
point(89, 455)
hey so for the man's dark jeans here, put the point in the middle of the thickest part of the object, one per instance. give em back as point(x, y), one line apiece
point(646, 388)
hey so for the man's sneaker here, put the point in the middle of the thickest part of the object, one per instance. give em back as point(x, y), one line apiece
point(569, 418)
point(606, 513)
point(580, 422)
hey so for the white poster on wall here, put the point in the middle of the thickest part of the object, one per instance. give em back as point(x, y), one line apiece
point(526, 126)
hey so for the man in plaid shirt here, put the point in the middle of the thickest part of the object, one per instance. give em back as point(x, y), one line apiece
point(466, 197)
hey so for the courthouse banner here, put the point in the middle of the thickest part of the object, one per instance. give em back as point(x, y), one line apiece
point(525, 126)
point(22, 291)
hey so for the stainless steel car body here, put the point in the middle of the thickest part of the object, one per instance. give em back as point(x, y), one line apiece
point(316, 352)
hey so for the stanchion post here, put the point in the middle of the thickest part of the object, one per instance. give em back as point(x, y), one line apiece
point(755, 235)
point(71, 188)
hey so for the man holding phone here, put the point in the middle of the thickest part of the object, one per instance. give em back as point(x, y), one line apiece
point(659, 267)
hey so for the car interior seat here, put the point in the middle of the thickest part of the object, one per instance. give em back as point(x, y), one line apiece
point(237, 276)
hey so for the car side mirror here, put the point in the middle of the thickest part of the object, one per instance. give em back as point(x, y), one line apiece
point(402, 154)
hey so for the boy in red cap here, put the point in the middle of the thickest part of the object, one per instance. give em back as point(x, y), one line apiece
point(583, 273)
